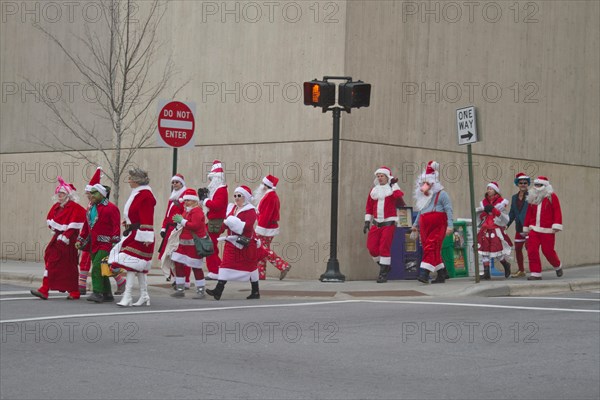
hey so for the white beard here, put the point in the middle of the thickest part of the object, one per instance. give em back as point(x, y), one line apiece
point(213, 185)
point(421, 200)
point(258, 194)
point(176, 194)
point(537, 195)
point(380, 192)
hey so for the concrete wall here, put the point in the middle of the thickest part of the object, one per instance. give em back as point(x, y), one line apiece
point(532, 71)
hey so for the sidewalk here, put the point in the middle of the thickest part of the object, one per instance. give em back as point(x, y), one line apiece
point(574, 279)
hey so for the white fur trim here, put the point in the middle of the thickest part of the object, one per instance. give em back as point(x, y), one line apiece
point(427, 266)
point(229, 274)
point(267, 232)
point(557, 226)
point(45, 273)
point(269, 183)
point(63, 239)
point(178, 179)
point(144, 236)
point(385, 260)
point(245, 193)
point(190, 197)
point(129, 261)
point(384, 171)
point(440, 266)
point(376, 259)
point(235, 224)
point(368, 217)
point(60, 227)
point(536, 274)
point(212, 275)
point(542, 181)
point(187, 260)
point(496, 188)
point(129, 201)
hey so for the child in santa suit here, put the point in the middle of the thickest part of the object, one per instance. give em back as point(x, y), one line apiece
point(185, 256)
point(492, 240)
point(542, 221)
point(65, 219)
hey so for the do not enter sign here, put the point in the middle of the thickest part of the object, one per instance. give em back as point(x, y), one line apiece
point(176, 124)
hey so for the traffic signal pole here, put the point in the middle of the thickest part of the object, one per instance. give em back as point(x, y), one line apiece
point(332, 273)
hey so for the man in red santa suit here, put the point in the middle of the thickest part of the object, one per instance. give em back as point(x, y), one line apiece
point(434, 221)
point(216, 205)
point(65, 219)
point(185, 256)
point(174, 207)
point(134, 252)
point(542, 221)
point(242, 247)
point(267, 227)
point(381, 210)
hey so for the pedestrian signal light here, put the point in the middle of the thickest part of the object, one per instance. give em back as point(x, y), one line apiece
point(319, 94)
point(354, 94)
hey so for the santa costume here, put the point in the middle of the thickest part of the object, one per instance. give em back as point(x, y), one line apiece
point(492, 240)
point(380, 220)
point(134, 252)
point(174, 207)
point(100, 232)
point(543, 220)
point(185, 256)
point(267, 226)
point(216, 205)
point(242, 247)
point(433, 220)
point(65, 219)
point(85, 261)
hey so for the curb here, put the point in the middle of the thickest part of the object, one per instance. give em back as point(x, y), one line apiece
point(28, 278)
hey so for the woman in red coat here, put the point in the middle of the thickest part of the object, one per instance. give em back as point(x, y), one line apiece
point(65, 219)
point(185, 256)
point(134, 252)
point(242, 248)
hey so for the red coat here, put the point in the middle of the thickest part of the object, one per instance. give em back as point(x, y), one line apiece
point(60, 256)
point(268, 214)
point(217, 204)
point(544, 217)
point(383, 210)
point(104, 232)
point(194, 223)
point(136, 249)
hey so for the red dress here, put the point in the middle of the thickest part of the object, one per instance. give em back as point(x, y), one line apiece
point(492, 240)
point(186, 251)
point(134, 252)
point(60, 256)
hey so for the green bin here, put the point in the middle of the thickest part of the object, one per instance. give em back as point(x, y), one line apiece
point(454, 251)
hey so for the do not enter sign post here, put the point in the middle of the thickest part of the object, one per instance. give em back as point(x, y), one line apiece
point(176, 124)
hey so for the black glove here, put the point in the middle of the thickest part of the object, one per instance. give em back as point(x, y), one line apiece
point(488, 208)
point(367, 226)
point(394, 180)
point(163, 234)
point(203, 193)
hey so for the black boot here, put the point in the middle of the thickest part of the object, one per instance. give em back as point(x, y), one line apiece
point(423, 276)
point(255, 293)
point(442, 274)
point(383, 273)
point(108, 297)
point(506, 266)
point(217, 291)
point(486, 272)
point(96, 298)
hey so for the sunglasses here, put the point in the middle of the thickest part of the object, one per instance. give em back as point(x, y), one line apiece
point(524, 183)
point(237, 196)
point(538, 185)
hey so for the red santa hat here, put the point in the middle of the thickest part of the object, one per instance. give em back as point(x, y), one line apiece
point(521, 177)
point(245, 191)
point(189, 194)
point(384, 170)
point(542, 180)
point(64, 187)
point(95, 180)
point(178, 178)
point(100, 188)
point(494, 185)
point(217, 168)
point(431, 174)
point(271, 181)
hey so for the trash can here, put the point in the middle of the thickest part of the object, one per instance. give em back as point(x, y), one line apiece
point(406, 252)
point(454, 251)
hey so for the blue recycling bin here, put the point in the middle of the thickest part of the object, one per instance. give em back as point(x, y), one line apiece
point(406, 252)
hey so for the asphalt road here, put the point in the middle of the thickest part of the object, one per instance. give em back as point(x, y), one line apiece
point(409, 348)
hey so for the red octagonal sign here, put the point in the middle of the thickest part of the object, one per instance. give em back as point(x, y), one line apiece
point(176, 124)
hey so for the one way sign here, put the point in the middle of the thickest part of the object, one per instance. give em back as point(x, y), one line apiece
point(466, 125)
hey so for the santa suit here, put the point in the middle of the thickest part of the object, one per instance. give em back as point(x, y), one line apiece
point(239, 262)
point(540, 221)
point(100, 232)
point(217, 210)
point(134, 252)
point(267, 228)
point(433, 220)
point(185, 253)
point(174, 207)
point(492, 240)
point(382, 210)
point(60, 257)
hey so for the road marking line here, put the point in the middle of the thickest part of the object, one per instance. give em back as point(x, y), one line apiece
point(547, 298)
point(13, 292)
point(111, 314)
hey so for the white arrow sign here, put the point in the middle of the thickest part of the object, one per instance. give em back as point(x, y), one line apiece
point(466, 125)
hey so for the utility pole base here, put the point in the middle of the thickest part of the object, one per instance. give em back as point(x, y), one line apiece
point(332, 274)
